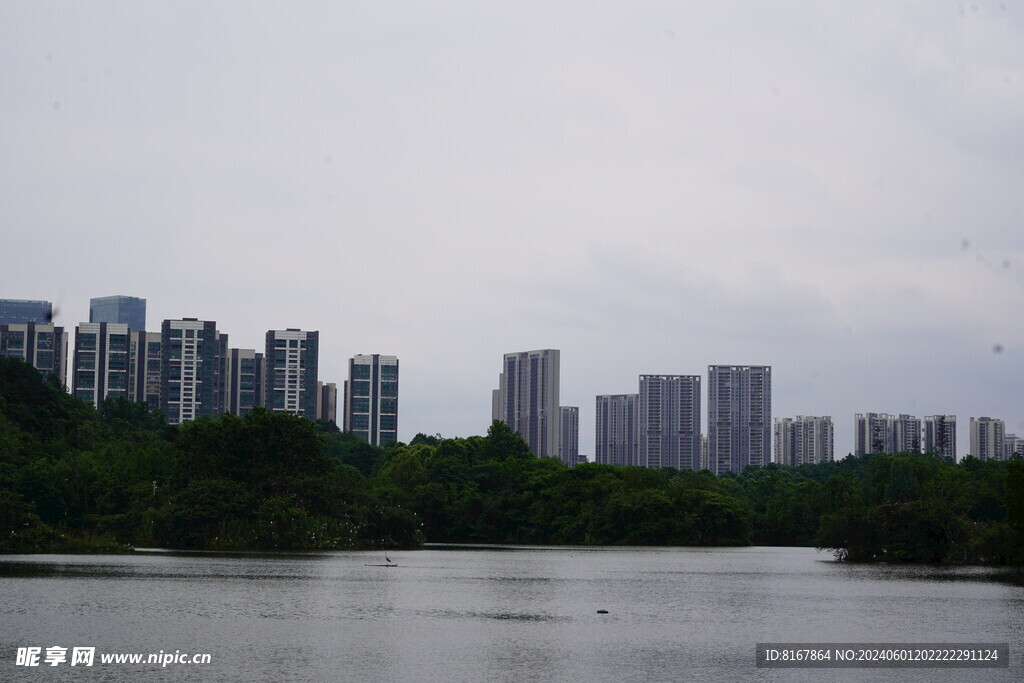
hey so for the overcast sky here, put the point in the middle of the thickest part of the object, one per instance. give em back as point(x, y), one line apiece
point(833, 189)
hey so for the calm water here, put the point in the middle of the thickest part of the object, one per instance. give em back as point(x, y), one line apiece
point(492, 614)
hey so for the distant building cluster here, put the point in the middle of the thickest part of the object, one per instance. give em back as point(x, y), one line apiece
point(804, 440)
point(188, 369)
point(660, 425)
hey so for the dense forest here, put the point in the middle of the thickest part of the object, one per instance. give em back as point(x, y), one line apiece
point(73, 478)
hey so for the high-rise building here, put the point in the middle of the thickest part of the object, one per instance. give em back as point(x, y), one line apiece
point(739, 416)
point(291, 360)
point(885, 433)
point(43, 346)
point(940, 435)
point(669, 421)
point(872, 433)
point(527, 399)
point(327, 401)
point(245, 380)
point(193, 366)
point(988, 438)
point(125, 310)
point(371, 398)
point(569, 446)
point(21, 311)
point(804, 440)
point(906, 434)
point(617, 429)
point(1013, 446)
point(102, 362)
point(147, 356)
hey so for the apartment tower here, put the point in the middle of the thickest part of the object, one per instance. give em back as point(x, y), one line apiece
point(193, 369)
point(527, 399)
point(739, 416)
point(291, 362)
point(103, 363)
point(371, 398)
point(617, 429)
point(569, 443)
point(42, 345)
point(804, 440)
point(669, 421)
point(940, 435)
point(246, 380)
point(988, 438)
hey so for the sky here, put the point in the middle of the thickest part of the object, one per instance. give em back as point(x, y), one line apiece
point(835, 189)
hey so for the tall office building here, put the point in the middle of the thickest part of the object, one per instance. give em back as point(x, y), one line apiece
point(292, 363)
point(245, 380)
point(371, 398)
point(669, 421)
point(125, 310)
point(739, 416)
point(102, 362)
point(193, 366)
point(940, 435)
point(988, 438)
point(43, 346)
point(617, 429)
point(327, 401)
point(804, 440)
point(527, 398)
point(21, 311)
point(569, 446)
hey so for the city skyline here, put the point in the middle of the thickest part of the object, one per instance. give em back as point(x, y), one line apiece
point(430, 188)
point(898, 433)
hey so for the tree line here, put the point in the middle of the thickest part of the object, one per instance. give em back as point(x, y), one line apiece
point(74, 478)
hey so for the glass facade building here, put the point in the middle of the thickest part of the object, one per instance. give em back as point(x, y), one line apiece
point(21, 311)
point(124, 310)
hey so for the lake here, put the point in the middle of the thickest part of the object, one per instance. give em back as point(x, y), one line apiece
point(491, 613)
